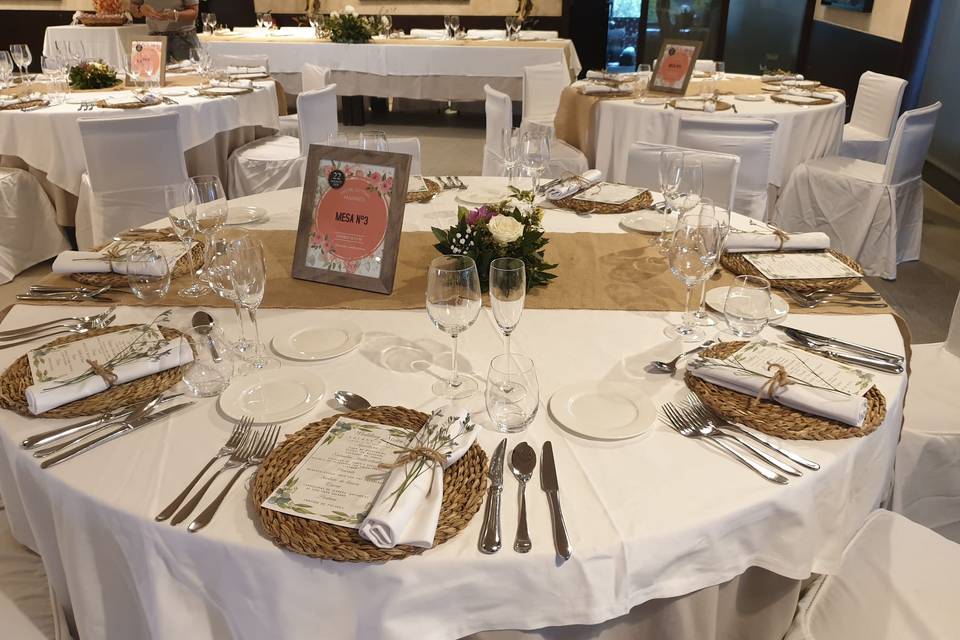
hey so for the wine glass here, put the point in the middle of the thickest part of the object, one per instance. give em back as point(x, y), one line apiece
point(22, 57)
point(511, 24)
point(216, 268)
point(709, 210)
point(373, 140)
point(148, 273)
point(265, 20)
point(6, 68)
point(721, 70)
point(510, 152)
point(453, 304)
point(50, 65)
point(208, 197)
point(386, 25)
point(248, 273)
point(748, 305)
point(446, 25)
point(454, 26)
point(209, 373)
point(508, 291)
point(183, 219)
point(513, 392)
point(534, 155)
point(210, 21)
point(692, 255)
point(670, 171)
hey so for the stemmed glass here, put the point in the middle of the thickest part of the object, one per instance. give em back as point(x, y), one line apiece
point(248, 273)
point(50, 65)
point(692, 255)
point(453, 304)
point(721, 70)
point(452, 23)
point(386, 25)
point(510, 152)
point(508, 291)
point(373, 141)
point(201, 60)
point(265, 20)
point(210, 22)
point(183, 219)
point(670, 172)
point(22, 57)
point(511, 24)
point(748, 305)
point(709, 210)
point(210, 201)
point(534, 155)
point(216, 268)
point(6, 68)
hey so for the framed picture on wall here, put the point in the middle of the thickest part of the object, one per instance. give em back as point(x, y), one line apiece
point(148, 60)
point(351, 214)
point(675, 66)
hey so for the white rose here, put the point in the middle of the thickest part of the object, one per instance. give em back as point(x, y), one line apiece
point(334, 15)
point(505, 229)
point(349, 10)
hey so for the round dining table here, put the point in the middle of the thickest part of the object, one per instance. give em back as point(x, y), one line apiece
point(660, 525)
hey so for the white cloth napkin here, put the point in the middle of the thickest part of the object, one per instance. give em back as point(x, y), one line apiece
point(825, 95)
point(570, 186)
point(413, 519)
point(44, 396)
point(746, 242)
point(233, 84)
point(231, 70)
point(779, 77)
point(600, 89)
point(849, 410)
point(93, 262)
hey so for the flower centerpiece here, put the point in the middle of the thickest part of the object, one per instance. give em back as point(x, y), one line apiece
point(498, 231)
point(95, 74)
point(349, 27)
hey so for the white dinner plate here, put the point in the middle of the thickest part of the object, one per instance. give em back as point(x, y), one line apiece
point(226, 91)
point(481, 196)
point(276, 395)
point(319, 342)
point(803, 84)
point(249, 76)
point(796, 99)
point(604, 410)
point(651, 102)
point(237, 215)
point(752, 97)
point(647, 221)
point(716, 298)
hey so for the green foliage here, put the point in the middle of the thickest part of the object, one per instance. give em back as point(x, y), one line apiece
point(349, 28)
point(92, 75)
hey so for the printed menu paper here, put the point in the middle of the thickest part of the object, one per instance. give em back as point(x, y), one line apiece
point(609, 193)
point(339, 479)
point(69, 360)
point(416, 185)
point(799, 266)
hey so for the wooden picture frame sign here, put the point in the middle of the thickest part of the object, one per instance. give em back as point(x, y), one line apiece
point(351, 215)
point(148, 54)
point(675, 66)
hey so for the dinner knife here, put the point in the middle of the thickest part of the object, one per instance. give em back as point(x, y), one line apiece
point(860, 361)
point(851, 346)
point(123, 429)
point(549, 484)
point(490, 541)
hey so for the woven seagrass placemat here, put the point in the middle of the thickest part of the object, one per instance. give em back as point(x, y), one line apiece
point(775, 419)
point(181, 268)
point(424, 196)
point(26, 104)
point(464, 483)
point(738, 265)
point(15, 380)
point(642, 201)
point(721, 106)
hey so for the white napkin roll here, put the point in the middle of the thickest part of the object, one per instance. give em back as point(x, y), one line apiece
point(413, 519)
point(747, 242)
point(600, 89)
point(234, 84)
point(779, 77)
point(849, 410)
point(231, 70)
point(570, 186)
point(50, 395)
point(825, 95)
point(91, 262)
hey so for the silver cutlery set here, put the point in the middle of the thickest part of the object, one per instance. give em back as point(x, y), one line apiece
point(66, 294)
point(692, 419)
point(821, 297)
point(75, 325)
point(523, 460)
point(846, 352)
point(450, 183)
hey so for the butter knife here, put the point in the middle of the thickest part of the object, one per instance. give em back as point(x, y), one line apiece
point(550, 486)
point(123, 429)
point(490, 541)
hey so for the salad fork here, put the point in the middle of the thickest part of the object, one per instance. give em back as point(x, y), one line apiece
point(236, 437)
point(264, 445)
point(78, 329)
point(59, 322)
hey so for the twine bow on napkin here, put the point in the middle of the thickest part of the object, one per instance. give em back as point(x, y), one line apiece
point(104, 372)
point(412, 454)
point(777, 382)
point(782, 236)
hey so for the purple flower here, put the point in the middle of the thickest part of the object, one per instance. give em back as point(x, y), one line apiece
point(478, 214)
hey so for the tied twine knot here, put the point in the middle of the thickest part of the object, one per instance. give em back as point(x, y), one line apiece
point(778, 381)
point(104, 372)
point(412, 454)
point(781, 235)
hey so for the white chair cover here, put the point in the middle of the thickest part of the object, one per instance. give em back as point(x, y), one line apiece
point(488, 34)
point(409, 146)
point(278, 162)
point(872, 212)
point(249, 61)
point(28, 224)
point(499, 113)
point(875, 109)
point(129, 162)
point(542, 86)
point(312, 77)
point(752, 140)
point(428, 33)
point(719, 170)
point(897, 580)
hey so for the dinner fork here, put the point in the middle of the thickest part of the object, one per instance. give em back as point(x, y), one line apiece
point(458, 183)
point(807, 303)
point(264, 445)
point(30, 337)
point(236, 437)
point(59, 322)
point(678, 420)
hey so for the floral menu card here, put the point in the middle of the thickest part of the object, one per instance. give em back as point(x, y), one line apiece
point(70, 360)
point(609, 193)
point(339, 479)
point(799, 266)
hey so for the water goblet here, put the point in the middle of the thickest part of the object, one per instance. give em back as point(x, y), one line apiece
point(148, 273)
point(513, 392)
point(183, 219)
point(748, 305)
point(692, 255)
point(248, 273)
point(709, 210)
point(453, 304)
point(212, 367)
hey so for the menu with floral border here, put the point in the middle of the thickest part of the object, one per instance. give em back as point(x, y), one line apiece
point(351, 214)
point(675, 66)
point(148, 60)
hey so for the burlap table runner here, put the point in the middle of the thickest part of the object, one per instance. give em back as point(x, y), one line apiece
point(606, 271)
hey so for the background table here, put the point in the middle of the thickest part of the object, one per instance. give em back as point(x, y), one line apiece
point(655, 517)
point(400, 68)
point(104, 43)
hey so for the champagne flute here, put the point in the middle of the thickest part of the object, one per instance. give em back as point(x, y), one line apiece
point(747, 307)
point(183, 218)
point(373, 141)
point(22, 57)
point(446, 25)
point(670, 170)
point(216, 267)
point(692, 254)
point(510, 151)
point(709, 210)
point(534, 155)
point(248, 273)
point(453, 304)
point(508, 291)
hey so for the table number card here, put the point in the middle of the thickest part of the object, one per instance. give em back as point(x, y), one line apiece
point(800, 266)
point(148, 56)
point(70, 360)
point(675, 66)
point(339, 479)
point(609, 193)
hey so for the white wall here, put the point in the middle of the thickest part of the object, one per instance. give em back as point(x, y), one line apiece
point(941, 84)
point(887, 20)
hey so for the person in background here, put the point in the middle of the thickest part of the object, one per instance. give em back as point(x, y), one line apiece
point(175, 19)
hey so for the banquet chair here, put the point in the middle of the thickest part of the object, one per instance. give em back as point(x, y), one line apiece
point(129, 162)
point(409, 146)
point(251, 61)
point(926, 486)
point(875, 110)
point(872, 212)
point(28, 224)
point(312, 77)
point(428, 33)
point(564, 159)
point(278, 162)
point(752, 140)
point(896, 580)
point(542, 86)
point(719, 170)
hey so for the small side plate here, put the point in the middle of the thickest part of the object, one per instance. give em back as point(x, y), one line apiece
point(276, 395)
point(319, 342)
point(604, 410)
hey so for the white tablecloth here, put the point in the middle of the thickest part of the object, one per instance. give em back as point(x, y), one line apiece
point(651, 518)
point(804, 132)
point(104, 43)
point(411, 69)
